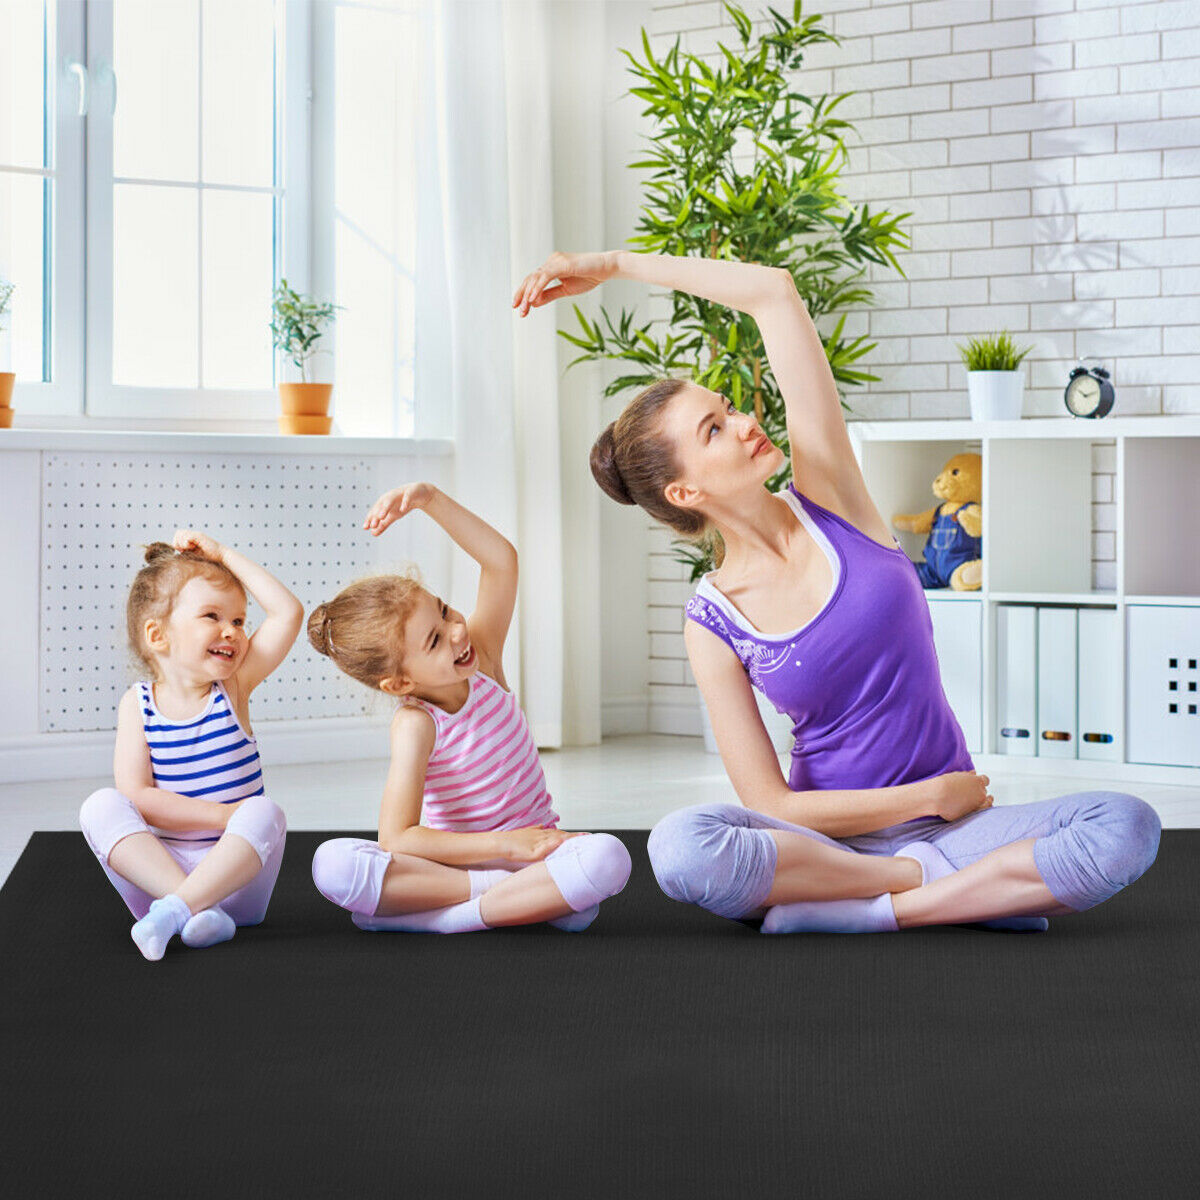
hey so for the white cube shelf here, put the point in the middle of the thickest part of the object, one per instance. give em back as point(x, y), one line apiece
point(1101, 677)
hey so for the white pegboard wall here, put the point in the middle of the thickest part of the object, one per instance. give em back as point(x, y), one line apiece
point(301, 518)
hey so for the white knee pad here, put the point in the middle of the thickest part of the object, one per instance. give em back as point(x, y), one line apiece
point(106, 817)
point(589, 869)
point(260, 822)
point(349, 873)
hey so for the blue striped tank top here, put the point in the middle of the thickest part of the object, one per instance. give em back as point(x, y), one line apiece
point(209, 757)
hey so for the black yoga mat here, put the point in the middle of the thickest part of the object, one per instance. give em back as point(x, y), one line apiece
point(663, 1053)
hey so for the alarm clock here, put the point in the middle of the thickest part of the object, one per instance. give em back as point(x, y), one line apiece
point(1089, 392)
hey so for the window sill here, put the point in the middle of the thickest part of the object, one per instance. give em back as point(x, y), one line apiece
point(143, 441)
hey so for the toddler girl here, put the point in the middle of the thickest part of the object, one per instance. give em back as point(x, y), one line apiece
point(187, 836)
point(487, 851)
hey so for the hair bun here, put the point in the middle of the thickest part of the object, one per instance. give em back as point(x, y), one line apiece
point(607, 474)
point(157, 550)
point(318, 630)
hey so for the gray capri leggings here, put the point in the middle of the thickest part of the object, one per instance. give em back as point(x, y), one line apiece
point(1088, 846)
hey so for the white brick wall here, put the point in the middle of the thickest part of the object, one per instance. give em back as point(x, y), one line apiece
point(1050, 153)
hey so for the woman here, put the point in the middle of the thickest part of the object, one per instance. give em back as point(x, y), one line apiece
point(882, 823)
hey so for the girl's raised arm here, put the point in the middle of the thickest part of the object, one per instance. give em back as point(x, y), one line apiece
point(271, 641)
point(823, 461)
point(494, 553)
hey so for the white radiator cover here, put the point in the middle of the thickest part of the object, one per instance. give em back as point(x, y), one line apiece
point(299, 517)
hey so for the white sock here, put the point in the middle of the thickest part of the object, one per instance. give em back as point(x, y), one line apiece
point(576, 922)
point(572, 922)
point(167, 916)
point(481, 881)
point(456, 918)
point(935, 865)
point(208, 927)
point(874, 915)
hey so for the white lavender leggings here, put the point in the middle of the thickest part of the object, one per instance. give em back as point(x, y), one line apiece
point(107, 816)
point(1088, 847)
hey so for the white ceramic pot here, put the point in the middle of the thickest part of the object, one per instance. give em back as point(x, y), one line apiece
point(995, 395)
point(779, 725)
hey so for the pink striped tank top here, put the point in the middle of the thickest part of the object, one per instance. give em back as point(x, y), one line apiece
point(483, 772)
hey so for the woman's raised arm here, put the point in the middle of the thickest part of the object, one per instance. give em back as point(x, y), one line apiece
point(823, 461)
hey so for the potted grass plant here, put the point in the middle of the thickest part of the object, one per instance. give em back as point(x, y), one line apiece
point(298, 324)
point(7, 378)
point(994, 385)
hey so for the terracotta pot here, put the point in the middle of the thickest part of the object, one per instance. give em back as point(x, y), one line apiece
point(6, 416)
point(7, 379)
point(289, 423)
point(305, 399)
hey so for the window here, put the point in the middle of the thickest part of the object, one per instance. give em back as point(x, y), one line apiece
point(191, 137)
point(195, 119)
point(228, 143)
point(41, 209)
point(27, 183)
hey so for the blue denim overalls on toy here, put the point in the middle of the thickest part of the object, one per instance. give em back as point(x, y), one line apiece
point(948, 546)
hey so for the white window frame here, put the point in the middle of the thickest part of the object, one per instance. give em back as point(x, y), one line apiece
point(63, 393)
point(168, 407)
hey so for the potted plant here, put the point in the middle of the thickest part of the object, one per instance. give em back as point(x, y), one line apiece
point(298, 324)
point(740, 163)
point(994, 385)
point(7, 378)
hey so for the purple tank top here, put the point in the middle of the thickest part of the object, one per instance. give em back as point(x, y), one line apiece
point(860, 681)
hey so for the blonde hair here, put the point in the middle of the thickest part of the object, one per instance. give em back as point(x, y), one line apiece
point(157, 585)
point(362, 628)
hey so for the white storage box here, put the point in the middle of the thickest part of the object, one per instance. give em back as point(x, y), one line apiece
point(1163, 685)
point(1016, 680)
point(957, 636)
point(1057, 682)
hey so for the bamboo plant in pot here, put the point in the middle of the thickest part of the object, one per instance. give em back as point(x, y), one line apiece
point(994, 385)
point(7, 378)
point(739, 162)
point(298, 324)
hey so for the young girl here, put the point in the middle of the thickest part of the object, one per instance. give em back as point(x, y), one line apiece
point(187, 836)
point(487, 852)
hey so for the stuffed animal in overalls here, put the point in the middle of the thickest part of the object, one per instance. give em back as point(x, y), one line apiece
point(954, 548)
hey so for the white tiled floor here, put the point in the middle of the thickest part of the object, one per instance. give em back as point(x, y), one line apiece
point(624, 783)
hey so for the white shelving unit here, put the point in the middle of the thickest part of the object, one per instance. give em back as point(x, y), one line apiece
point(1037, 532)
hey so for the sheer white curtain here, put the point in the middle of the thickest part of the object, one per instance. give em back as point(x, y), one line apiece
point(496, 174)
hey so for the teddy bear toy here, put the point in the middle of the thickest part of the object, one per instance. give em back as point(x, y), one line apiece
point(954, 546)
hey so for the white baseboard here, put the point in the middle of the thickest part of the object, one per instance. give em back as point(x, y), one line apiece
point(681, 719)
point(624, 714)
point(82, 755)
